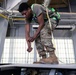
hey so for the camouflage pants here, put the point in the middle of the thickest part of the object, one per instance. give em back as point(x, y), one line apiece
point(44, 40)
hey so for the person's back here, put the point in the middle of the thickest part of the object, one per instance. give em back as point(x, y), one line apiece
point(38, 9)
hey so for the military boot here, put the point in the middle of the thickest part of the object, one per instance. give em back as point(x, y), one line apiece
point(42, 55)
point(52, 59)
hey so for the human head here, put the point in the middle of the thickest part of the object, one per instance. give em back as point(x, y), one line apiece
point(24, 9)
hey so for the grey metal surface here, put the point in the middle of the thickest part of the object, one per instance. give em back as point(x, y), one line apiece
point(52, 72)
point(68, 15)
point(13, 4)
point(74, 42)
point(3, 31)
point(6, 67)
point(46, 66)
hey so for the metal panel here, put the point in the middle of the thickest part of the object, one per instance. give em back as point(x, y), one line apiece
point(43, 66)
point(74, 41)
point(3, 30)
point(73, 5)
point(52, 72)
point(12, 3)
point(48, 66)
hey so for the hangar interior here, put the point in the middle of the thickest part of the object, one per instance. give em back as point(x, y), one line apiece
point(13, 47)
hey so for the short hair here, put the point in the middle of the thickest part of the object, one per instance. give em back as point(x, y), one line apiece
point(23, 6)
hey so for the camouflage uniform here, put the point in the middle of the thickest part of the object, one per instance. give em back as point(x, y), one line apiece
point(44, 42)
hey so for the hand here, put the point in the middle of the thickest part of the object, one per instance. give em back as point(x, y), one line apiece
point(31, 39)
point(29, 49)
